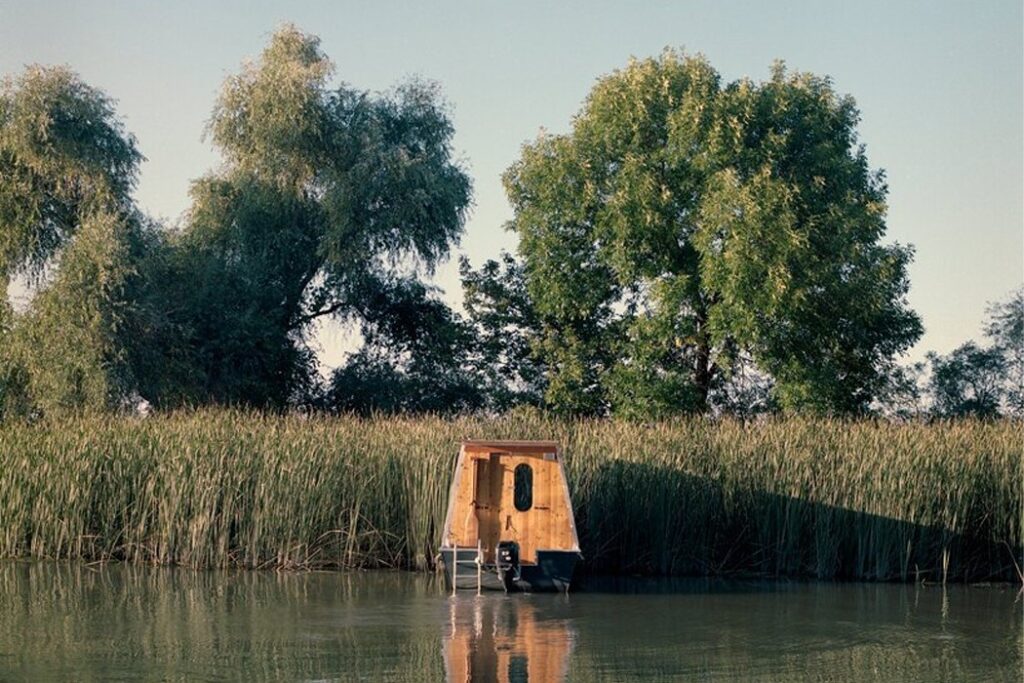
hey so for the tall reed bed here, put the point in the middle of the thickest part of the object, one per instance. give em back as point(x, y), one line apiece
point(817, 498)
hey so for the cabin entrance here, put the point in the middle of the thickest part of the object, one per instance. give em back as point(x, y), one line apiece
point(505, 508)
point(488, 480)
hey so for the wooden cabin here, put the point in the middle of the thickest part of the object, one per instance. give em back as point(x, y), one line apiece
point(509, 523)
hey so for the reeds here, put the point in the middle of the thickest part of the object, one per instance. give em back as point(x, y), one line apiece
point(216, 488)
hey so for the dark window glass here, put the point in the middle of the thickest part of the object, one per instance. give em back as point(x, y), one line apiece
point(519, 665)
point(523, 498)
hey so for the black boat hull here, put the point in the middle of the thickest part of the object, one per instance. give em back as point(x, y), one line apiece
point(552, 572)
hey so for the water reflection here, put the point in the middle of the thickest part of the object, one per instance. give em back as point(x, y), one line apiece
point(69, 622)
point(506, 639)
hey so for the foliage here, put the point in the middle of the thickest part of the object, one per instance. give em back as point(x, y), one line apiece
point(1005, 327)
point(324, 192)
point(690, 246)
point(983, 381)
point(746, 393)
point(13, 389)
point(571, 289)
point(684, 223)
point(67, 223)
point(74, 344)
point(967, 381)
point(228, 284)
point(903, 396)
point(416, 356)
point(64, 157)
point(504, 321)
point(833, 499)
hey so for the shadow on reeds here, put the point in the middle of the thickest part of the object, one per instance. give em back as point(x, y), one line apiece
point(641, 519)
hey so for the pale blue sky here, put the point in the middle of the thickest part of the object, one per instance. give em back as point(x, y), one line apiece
point(939, 85)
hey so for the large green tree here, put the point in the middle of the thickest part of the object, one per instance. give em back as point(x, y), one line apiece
point(969, 381)
point(65, 157)
point(324, 192)
point(973, 380)
point(69, 230)
point(684, 224)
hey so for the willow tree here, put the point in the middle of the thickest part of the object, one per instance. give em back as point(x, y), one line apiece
point(685, 225)
point(69, 230)
point(325, 194)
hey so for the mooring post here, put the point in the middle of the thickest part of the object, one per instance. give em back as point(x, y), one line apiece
point(455, 568)
point(479, 565)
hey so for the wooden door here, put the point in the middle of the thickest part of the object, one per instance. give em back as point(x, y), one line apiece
point(487, 487)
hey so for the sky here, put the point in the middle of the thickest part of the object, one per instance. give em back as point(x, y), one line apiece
point(940, 86)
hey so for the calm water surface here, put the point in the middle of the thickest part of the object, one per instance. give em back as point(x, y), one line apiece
point(67, 622)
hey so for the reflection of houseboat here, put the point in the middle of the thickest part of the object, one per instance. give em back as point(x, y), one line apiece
point(508, 641)
point(509, 523)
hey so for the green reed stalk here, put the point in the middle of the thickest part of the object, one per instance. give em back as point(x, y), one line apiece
point(794, 497)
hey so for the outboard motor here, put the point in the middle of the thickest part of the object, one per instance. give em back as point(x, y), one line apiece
point(508, 561)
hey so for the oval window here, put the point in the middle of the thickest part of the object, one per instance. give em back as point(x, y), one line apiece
point(523, 498)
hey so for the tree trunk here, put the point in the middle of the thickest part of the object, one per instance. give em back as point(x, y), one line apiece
point(703, 373)
point(704, 367)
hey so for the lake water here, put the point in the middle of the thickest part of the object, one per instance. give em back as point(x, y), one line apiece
point(69, 622)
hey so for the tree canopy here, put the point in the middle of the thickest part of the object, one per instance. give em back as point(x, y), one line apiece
point(984, 381)
point(325, 192)
point(1005, 327)
point(689, 245)
point(685, 222)
point(67, 224)
point(967, 382)
point(418, 356)
point(503, 320)
point(65, 158)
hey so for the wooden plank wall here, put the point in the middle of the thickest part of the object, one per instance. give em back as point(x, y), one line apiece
point(485, 506)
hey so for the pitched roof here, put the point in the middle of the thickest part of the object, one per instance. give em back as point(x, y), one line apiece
point(491, 446)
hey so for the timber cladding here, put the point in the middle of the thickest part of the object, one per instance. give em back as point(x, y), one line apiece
point(511, 491)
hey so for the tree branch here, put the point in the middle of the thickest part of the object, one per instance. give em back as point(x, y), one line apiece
point(310, 317)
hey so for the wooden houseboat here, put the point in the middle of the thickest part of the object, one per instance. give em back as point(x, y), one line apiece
point(509, 524)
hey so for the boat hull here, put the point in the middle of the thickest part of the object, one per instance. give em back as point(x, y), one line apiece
point(552, 572)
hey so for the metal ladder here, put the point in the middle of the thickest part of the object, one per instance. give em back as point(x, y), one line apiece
point(478, 561)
